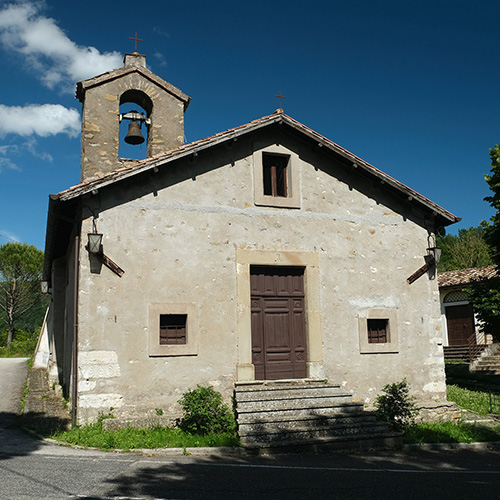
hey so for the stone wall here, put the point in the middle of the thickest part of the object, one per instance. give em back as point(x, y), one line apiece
point(180, 234)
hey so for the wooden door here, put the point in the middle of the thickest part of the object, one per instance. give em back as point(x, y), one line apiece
point(460, 323)
point(278, 322)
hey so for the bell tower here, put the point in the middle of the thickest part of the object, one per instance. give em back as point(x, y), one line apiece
point(101, 97)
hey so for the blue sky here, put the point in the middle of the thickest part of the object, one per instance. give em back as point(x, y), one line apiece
point(411, 87)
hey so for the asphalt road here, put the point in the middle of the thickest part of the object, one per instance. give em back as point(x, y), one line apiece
point(13, 372)
point(51, 472)
point(34, 469)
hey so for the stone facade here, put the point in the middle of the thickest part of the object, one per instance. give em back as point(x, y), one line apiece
point(186, 229)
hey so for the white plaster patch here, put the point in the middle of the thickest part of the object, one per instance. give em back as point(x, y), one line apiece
point(98, 364)
point(373, 302)
point(100, 401)
point(103, 311)
point(86, 385)
point(435, 387)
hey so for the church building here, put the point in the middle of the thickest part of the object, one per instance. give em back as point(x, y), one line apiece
point(266, 252)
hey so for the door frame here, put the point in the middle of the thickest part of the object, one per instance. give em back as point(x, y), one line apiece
point(278, 322)
point(450, 305)
point(310, 263)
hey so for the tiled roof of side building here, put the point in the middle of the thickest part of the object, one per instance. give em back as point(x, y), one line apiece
point(465, 276)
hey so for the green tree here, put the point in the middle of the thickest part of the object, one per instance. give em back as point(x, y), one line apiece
point(486, 294)
point(469, 249)
point(20, 274)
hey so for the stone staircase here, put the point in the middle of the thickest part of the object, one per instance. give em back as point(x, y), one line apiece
point(489, 362)
point(461, 352)
point(44, 408)
point(456, 353)
point(306, 415)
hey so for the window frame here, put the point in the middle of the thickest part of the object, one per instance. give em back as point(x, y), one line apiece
point(189, 347)
point(292, 177)
point(392, 343)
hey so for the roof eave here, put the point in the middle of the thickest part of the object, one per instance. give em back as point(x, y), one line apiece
point(442, 216)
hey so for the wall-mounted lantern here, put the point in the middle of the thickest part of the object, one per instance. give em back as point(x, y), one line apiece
point(94, 247)
point(435, 253)
point(95, 243)
point(431, 260)
point(44, 287)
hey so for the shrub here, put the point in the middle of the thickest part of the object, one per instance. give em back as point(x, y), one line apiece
point(396, 406)
point(205, 412)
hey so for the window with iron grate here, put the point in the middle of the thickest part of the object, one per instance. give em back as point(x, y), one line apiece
point(173, 329)
point(378, 331)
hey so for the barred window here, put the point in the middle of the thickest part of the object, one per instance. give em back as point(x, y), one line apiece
point(173, 329)
point(378, 331)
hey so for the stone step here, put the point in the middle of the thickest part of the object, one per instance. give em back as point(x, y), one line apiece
point(348, 411)
point(488, 371)
point(265, 414)
point(316, 445)
point(310, 403)
point(288, 436)
point(487, 364)
point(488, 361)
point(305, 422)
point(299, 413)
point(461, 352)
point(287, 392)
point(249, 385)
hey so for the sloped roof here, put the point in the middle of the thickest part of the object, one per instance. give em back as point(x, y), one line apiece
point(465, 276)
point(83, 86)
point(361, 166)
point(62, 206)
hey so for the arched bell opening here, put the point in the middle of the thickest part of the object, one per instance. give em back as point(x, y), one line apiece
point(135, 112)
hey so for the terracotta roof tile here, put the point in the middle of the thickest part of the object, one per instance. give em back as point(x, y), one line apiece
point(465, 276)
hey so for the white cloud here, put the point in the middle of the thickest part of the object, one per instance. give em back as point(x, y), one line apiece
point(57, 59)
point(7, 164)
point(40, 119)
point(160, 58)
point(30, 146)
point(9, 236)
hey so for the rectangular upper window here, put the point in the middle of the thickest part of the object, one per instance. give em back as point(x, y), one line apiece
point(378, 331)
point(275, 174)
point(173, 329)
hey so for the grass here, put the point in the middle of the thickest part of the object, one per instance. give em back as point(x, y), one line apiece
point(22, 347)
point(470, 400)
point(453, 432)
point(450, 432)
point(130, 438)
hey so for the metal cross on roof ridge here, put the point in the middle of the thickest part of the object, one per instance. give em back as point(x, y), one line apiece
point(136, 40)
point(280, 97)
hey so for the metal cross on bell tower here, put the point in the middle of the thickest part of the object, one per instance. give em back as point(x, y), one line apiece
point(136, 40)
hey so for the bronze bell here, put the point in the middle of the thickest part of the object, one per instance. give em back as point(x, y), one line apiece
point(134, 135)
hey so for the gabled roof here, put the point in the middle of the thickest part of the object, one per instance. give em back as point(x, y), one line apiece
point(63, 206)
point(83, 86)
point(362, 167)
point(465, 276)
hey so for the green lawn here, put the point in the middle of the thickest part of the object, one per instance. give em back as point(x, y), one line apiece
point(93, 436)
